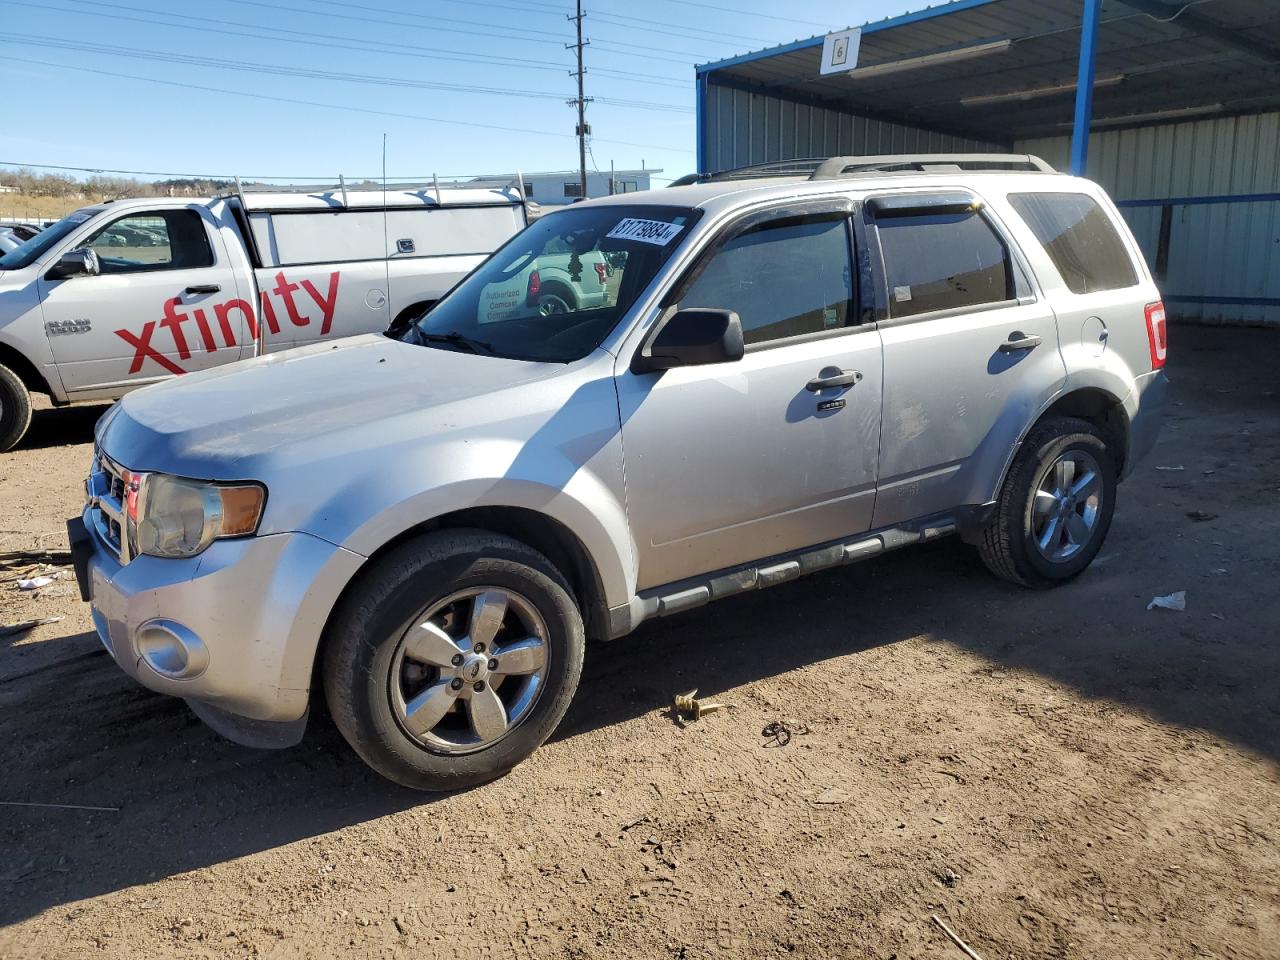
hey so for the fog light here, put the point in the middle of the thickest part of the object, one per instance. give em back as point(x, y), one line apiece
point(171, 650)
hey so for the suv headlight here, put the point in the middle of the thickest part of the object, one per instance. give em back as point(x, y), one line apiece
point(175, 517)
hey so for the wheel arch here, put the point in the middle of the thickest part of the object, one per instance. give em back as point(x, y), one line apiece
point(1097, 406)
point(25, 370)
point(562, 288)
point(1094, 402)
point(407, 315)
point(543, 533)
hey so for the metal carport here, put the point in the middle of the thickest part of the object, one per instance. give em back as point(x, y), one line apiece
point(1173, 106)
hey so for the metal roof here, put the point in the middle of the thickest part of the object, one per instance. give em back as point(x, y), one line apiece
point(1005, 70)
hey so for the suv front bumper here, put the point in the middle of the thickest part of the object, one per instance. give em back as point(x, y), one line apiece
point(235, 628)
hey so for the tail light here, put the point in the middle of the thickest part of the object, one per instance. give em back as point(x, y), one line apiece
point(602, 271)
point(535, 284)
point(1157, 334)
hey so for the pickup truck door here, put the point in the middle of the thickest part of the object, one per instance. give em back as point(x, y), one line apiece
point(158, 308)
point(734, 462)
point(970, 350)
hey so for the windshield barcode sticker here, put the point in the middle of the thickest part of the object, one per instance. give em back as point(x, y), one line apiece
point(646, 231)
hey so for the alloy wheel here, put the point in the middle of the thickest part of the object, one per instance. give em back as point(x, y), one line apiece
point(470, 669)
point(1067, 506)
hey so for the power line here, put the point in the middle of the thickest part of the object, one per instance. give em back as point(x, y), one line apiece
point(647, 78)
point(416, 52)
point(648, 48)
point(652, 26)
point(165, 57)
point(328, 36)
point(610, 46)
point(556, 10)
point(747, 13)
point(331, 106)
point(365, 18)
point(256, 177)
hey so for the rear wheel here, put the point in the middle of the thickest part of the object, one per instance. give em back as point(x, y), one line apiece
point(1055, 508)
point(453, 659)
point(550, 304)
point(15, 409)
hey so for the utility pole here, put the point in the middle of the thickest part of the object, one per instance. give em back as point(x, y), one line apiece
point(581, 101)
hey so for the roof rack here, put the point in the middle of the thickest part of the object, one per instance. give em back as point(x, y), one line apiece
point(832, 168)
point(801, 167)
point(338, 190)
point(837, 167)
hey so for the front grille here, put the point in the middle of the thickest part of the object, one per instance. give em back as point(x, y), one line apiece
point(105, 494)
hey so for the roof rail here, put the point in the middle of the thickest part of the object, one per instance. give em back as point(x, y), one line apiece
point(831, 168)
point(776, 168)
point(837, 167)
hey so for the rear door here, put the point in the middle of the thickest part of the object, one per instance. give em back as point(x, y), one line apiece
point(970, 348)
point(157, 309)
point(734, 462)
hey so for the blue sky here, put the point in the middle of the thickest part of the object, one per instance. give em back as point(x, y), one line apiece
point(329, 77)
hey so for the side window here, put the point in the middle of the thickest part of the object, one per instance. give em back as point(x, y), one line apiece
point(158, 240)
point(784, 278)
point(1080, 239)
point(942, 262)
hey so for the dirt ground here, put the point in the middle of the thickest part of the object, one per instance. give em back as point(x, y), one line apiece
point(1061, 774)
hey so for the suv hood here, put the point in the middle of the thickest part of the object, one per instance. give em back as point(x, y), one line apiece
point(230, 422)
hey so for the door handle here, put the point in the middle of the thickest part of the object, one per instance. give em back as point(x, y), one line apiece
point(1019, 341)
point(844, 378)
point(204, 288)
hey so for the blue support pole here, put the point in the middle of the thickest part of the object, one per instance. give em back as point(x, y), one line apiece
point(701, 114)
point(1084, 86)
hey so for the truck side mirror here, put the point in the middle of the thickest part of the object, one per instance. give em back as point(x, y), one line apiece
point(75, 263)
point(693, 337)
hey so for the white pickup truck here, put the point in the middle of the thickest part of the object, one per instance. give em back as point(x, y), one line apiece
point(122, 294)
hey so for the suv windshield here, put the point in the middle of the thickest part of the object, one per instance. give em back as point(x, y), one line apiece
point(33, 249)
point(556, 289)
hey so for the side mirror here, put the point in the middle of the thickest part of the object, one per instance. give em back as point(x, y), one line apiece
point(75, 263)
point(691, 338)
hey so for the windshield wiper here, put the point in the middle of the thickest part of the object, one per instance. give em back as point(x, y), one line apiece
point(455, 339)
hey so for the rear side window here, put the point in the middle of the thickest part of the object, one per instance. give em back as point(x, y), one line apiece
point(784, 278)
point(1080, 239)
point(943, 262)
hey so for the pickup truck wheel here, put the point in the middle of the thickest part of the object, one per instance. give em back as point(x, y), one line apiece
point(1055, 508)
point(550, 304)
point(453, 659)
point(15, 409)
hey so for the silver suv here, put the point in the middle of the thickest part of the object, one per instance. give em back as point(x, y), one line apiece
point(785, 373)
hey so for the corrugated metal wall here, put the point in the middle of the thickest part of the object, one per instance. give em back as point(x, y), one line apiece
point(1215, 250)
point(744, 127)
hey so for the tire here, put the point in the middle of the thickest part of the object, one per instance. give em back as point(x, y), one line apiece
point(373, 676)
point(1010, 544)
point(15, 409)
point(407, 316)
point(556, 299)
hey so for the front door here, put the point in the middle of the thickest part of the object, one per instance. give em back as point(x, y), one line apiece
point(735, 462)
point(152, 312)
point(969, 351)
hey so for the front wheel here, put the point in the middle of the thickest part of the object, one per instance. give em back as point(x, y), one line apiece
point(15, 409)
point(453, 659)
point(1055, 508)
